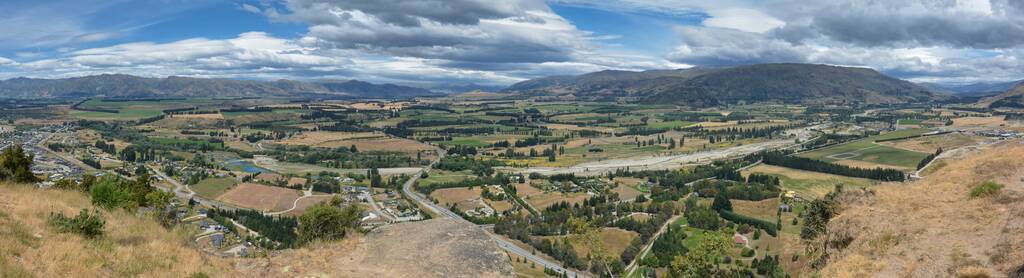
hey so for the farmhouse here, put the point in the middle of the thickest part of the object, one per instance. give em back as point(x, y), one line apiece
point(740, 240)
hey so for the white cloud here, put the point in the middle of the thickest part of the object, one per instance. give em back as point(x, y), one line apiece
point(5, 61)
point(748, 20)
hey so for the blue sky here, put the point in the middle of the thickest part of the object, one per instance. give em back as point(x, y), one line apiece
point(430, 42)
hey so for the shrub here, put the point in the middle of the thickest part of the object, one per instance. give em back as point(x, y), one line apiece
point(747, 252)
point(327, 222)
point(85, 224)
point(108, 194)
point(986, 189)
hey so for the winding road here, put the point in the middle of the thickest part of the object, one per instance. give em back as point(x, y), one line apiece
point(409, 192)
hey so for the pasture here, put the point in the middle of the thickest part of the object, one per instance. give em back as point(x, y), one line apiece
point(260, 197)
point(866, 153)
point(807, 183)
point(213, 187)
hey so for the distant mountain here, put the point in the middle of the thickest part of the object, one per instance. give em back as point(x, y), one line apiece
point(790, 83)
point(464, 88)
point(1013, 98)
point(607, 84)
point(973, 89)
point(128, 86)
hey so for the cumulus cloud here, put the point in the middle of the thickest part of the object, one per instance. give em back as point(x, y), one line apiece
point(459, 30)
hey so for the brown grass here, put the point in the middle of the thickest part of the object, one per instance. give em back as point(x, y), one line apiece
point(764, 209)
point(929, 144)
point(260, 197)
point(462, 196)
point(993, 121)
point(930, 228)
point(132, 246)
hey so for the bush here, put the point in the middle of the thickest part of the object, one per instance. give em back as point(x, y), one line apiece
point(768, 227)
point(986, 189)
point(747, 252)
point(327, 222)
point(85, 224)
point(107, 194)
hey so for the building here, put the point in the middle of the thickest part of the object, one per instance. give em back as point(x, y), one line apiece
point(740, 240)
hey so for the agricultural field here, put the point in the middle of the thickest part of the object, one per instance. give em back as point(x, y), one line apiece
point(260, 197)
point(807, 183)
point(213, 187)
point(867, 153)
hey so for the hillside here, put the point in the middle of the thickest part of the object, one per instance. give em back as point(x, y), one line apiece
point(932, 227)
point(606, 84)
point(128, 86)
point(135, 246)
point(973, 89)
point(1013, 98)
point(792, 83)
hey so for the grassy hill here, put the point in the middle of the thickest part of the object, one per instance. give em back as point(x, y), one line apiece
point(935, 227)
point(1013, 98)
point(131, 247)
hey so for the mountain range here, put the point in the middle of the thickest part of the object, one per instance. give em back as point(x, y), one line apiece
point(1012, 98)
point(128, 86)
point(788, 83)
point(973, 89)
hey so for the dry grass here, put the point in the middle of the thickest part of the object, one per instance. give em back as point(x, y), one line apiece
point(260, 197)
point(214, 116)
point(765, 209)
point(993, 121)
point(325, 138)
point(931, 228)
point(626, 192)
point(464, 197)
point(929, 144)
point(547, 199)
point(132, 246)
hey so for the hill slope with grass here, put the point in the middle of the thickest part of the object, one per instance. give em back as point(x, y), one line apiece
point(964, 220)
point(1013, 98)
point(138, 246)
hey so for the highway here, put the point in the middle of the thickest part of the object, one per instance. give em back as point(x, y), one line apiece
point(410, 193)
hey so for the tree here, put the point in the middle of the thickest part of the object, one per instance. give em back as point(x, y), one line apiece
point(702, 217)
point(721, 203)
point(702, 260)
point(107, 193)
point(353, 149)
point(15, 165)
point(327, 222)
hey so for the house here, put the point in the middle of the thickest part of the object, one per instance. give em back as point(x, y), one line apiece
point(785, 208)
point(740, 240)
point(348, 180)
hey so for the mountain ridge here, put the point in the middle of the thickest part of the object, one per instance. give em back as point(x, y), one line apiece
point(130, 86)
point(700, 86)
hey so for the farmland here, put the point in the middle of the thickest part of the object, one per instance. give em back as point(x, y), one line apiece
point(866, 152)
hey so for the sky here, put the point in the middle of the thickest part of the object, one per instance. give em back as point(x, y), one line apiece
point(499, 42)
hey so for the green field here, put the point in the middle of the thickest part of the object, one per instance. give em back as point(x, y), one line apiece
point(134, 110)
point(213, 187)
point(866, 150)
point(909, 121)
point(441, 176)
point(807, 183)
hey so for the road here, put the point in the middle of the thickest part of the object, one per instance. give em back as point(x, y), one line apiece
point(647, 247)
point(410, 193)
